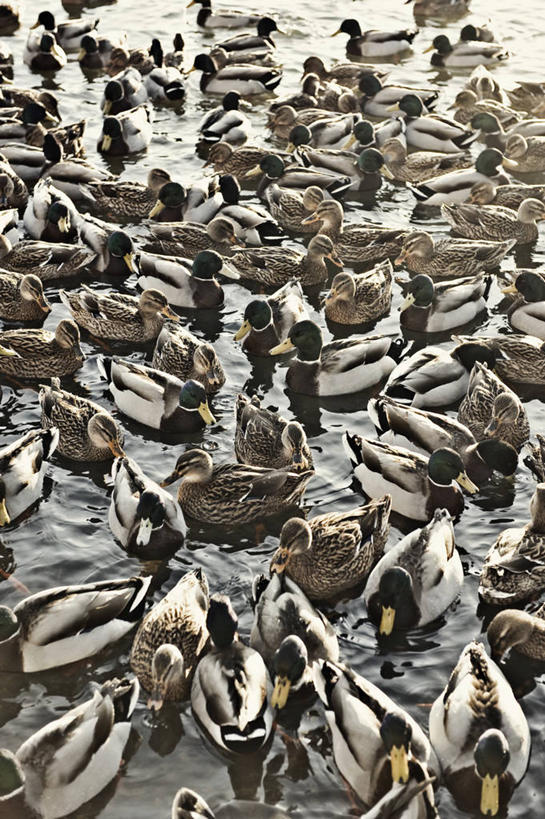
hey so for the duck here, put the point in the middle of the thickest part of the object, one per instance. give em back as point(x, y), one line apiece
point(365, 170)
point(95, 52)
point(521, 631)
point(481, 34)
point(113, 250)
point(527, 152)
point(417, 579)
point(253, 225)
point(252, 45)
point(264, 438)
point(306, 98)
point(164, 83)
point(187, 804)
point(506, 196)
point(26, 124)
point(466, 53)
point(27, 161)
point(375, 43)
point(229, 18)
point(331, 555)
point(491, 410)
point(436, 307)
point(273, 266)
point(346, 74)
point(521, 357)
point(50, 214)
point(190, 238)
point(171, 640)
point(527, 313)
point(378, 98)
point(68, 34)
point(180, 353)
point(528, 95)
point(267, 320)
point(535, 460)
point(199, 204)
point(248, 80)
point(233, 493)
point(45, 260)
point(340, 367)
point(431, 132)
point(468, 105)
point(359, 298)
point(341, 162)
point(289, 208)
point(70, 176)
point(236, 161)
point(30, 353)
point(124, 91)
point(22, 297)
point(23, 465)
point(118, 316)
point(238, 724)
point(392, 748)
point(422, 165)
point(483, 749)
point(185, 283)
point(226, 123)
point(154, 398)
point(87, 432)
point(417, 484)
point(495, 223)
point(10, 17)
point(122, 57)
point(128, 133)
point(44, 54)
point(64, 625)
point(423, 431)
point(332, 127)
point(13, 191)
point(43, 783)
point(443, 9)
point(450, 258)
point(176, 57)
point(493, 134)
point(512, 571)
point(125, 199)
point(15, 96)
point(276, 171)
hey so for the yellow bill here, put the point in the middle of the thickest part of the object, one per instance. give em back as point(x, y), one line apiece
point(490, 795)
point(4, 516)
point(387, 620)
point(106, 142)
point(170, 314)
point(510, 290)
point(107, 107)
point(115, 449)
point(352, 139)
point(336, 32)
point(206, 415)
point(281, 692)
point(429, 48)
point(128, 258)
point(64, 224)
point(243, 330)
point(400, 764)
point(253, 172)
point(466, 483)
point(284, 347)
point(157, 209)
point(408, 302)
point(510, 164)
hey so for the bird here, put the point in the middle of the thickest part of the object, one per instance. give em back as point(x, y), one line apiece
point(226, 123)
point(431, 132)
point(521, 631)
point(186, 283)
point(226, 18)
point(450, 258)
point(248, 79)
point(127, 133)
point(32, 354)
point(50, 214)
point(22, 297)
point(274, 266)
point(180, 353)
point(375, 43)
point(264, 438)
point(23, 465)
point(496, 223)
point(436, 307)
point(466, 53)
point(358, 298)
point(267, 320)
point(420, 166)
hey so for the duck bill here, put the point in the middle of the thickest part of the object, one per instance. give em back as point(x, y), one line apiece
point(311, 220)
point(213, 379)
point(144, 532)
point(510, 164)
point(490, 795)
point(35, 25)
point(43, 305)
point(334, 259)
point(492, 427)
point(290, 147)
point(206, 415)
point(107, 107)
point(106, 142)
point(352, 139)
point(387, 620)
point(155, 702)
point(429, 48)
point(400, 764)
point(298, 463)
point(401, 258)
point(386, 172)
point(284, 347)
point(170, 314)
point(229, 272)
point(466, 483)
point(81, 54)
point(336, 32)
point(510, 290)
point(280, 692)
point(394, 107)
point(408, 302)
point(252, 172)
point(128, 258)
point(242, 331)
point(4, 515)
point(191, 3)
point(192, 69)
point(279, 561)
point(156, 209)
point(64, 224)
point(170, 479)
point(115, 449)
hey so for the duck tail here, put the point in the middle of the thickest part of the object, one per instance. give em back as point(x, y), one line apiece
point(104, 364)
point(352, 446)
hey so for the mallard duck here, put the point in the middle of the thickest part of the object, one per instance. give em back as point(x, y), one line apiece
point(185, 283)
point(339, 367)
point(233, 493)
point(424, 432)
point(171, 640)
point(332, 554)
point(19, 97)
point(491, 410)
point(23, 465)
point(347, 74)
point(284, 118)
point(468, 105)
point(113, 249)
point(176, 56)
point(356, 243)
point(535, 460)
point(155, 398)
point(124, 91)
point(375, 43)
point(13, 191)
point(273, 266)
point(522, 631)
point(422, 165)
point(378, 99)
point(123, 199)
point(59, 626)
point(456, 186)
point(264, 438)
point(418, 485)
point(189, 805)
point(68, 34)
point(494, 135)
point(465, 54)
point(44, 259)
point(127, 133)
point(341, 162)
point(27, 161)
point(22, 297)
point(25, 128)
point(513, 568)
point(431, 132)
point(449, 258)
point(521, 358)
point(50, 214)
point(306, 98)
point(246, 79)
point(528, 95)
point(267, 320)
point(238, 723)
point(225, 123)
point(43, 53)
point(506, 196)
point(95, 52)
point(70, 176)
point(122, 57)
point(33, 354)
point(290, 207)
point(380, 745)
point(252, 224)
point(360, 298)
point(433, 377)
point(443, 9)
point(164, 83)
point(9, 16)
point(182, 354)
point(230, 18)
point(237, 161)
point(528, 153)
point(86, 431)
point(493, 222)
point(480, 734)
point(118, 316)
point(55, 783)
point(434, 308)
point(417, 579)
point(275, 171)
point(527, 312)
point(259, 44)
point(190, 238)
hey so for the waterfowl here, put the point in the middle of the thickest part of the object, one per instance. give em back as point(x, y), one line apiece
point(44, 783)
point(431, 132)
point(332, 554)
point(522, 631)
point(13, 191)
point(276, 171)
point(68, 34)
point(63, 625)
point(493, 222)
point(46, 260)
point(252, 224)
point(480, 734)
point(225, 123)
point(513, 568)
point(347, 74)
point(71, 176)
point(237, 161)
point(120, 198)
point(253, 45)
point(290, 207)
point(264, 438)
point(87, 432)
point(124, 91)
point(190, 239)
point(360, 298)
point(339, 161)
point(176, 56)
point(199, 203)
point(187, 804)
point(506, 196)
point(434, 308)
point(527, 313)
point(231, 686)
point(443, 9)
point(528, 95)
point(491, 409)
point(456, 185)
point(519, 359)
point(186, 284)
point(29, 127)
point(155, 398)
point(422, 165)
point(306, 98)
point(246, 79)
point(375, 43)
point(23, 465)
point(273, 266)
point(164, 83)
point(127, 133)
point(449, 258)
point(466, 53)
point(527, 152)
point(14, 96)
point(121, 58)
point(113, 250)
point(380, 746)
point(95, 52)
point(179, 352)
point(171, 640)
point(468, 105)
point(378, 99)
point(284, 118)
point(233, 493)
point(50, 214)
point(267, 320)
point(231, 18)
point(44, 54)
point(9, 17)
point(27, 161)
point(33, 354)
point(22, 297)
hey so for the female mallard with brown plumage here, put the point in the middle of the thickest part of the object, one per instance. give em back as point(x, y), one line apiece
point(267, 320)
point(189, 238)
point(264, 438)
point(13, 191)
point(528, 152)
point(182, 354)
point(238, 161)
point(275, 266)
point(506, 196)
point(46, 260)
point(121, 198)
point(521, 631)
point(357, 298)
point(493, 222)
point(521, 358)
point(22, 297)
point(291, 207)
point(40, 353)
point(421, 165)
point(450, 258)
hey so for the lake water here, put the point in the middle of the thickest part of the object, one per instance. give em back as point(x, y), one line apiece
point(67, 540)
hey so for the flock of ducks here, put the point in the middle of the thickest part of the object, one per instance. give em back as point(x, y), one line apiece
point(346, 130)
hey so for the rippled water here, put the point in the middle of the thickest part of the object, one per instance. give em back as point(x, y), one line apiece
point(68, 540)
